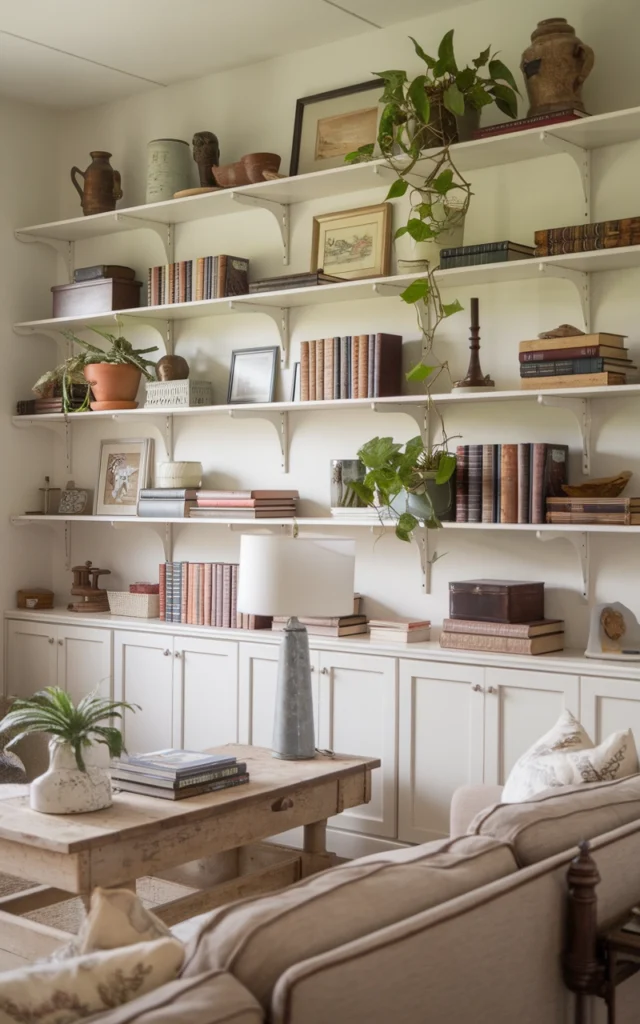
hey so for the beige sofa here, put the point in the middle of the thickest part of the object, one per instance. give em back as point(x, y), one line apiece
point(470, 929)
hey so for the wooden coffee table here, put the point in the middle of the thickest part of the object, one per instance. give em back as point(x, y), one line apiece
point(139, 836)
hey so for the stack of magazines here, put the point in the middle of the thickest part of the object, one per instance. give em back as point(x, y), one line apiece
point(176, 774)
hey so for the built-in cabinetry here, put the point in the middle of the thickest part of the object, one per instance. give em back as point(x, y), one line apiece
point(437, 719)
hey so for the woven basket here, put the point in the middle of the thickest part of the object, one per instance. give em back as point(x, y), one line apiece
point(163, 393)
point(140, 606)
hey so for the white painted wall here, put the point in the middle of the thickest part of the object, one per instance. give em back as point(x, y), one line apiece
point(252, 109)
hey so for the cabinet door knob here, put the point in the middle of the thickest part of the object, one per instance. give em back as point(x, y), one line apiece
point(177, 654)
point(51, 640)
point(60, 643)
point(476, 688)
point(167, 653)
point(491, 689)
point(325, 671)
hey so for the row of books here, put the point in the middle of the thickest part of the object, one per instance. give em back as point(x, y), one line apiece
point(212, 277)
point(203, 594)
point(619, 511)
point(187, 502)
point(540, 637)
point(357, 366)
point(604, 234)
point(355, 624)
point(176, 774)
point(309, 279)
point(580, 360)
point(487, 252)
point(508, 483)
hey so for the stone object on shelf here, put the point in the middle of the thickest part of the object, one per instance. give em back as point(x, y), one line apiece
point(563, 331)
point(169, 169)
point(75, 501)
point(172, 368)
point(85, 586)
point(101, 295)
point(256, 164)
point(603, 487)
point(102, 185)
point(614, 633)
point(555, 67)
point(206, 153)
point(182, 393)
point(34, 598)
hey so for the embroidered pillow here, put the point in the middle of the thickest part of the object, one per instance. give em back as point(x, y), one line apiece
point(62, 993)
point(566, 756)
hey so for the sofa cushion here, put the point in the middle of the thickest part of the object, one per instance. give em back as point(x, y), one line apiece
point(258, 939)
point(557, 820)
point(214, 997)
point(566, 756)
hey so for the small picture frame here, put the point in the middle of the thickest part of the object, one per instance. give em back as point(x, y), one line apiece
point(331, 124)
point(353, 243)
point(295, 383)
point(252, 377)
point(124, 469)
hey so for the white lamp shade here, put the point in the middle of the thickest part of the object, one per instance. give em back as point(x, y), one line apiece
point(288, 576)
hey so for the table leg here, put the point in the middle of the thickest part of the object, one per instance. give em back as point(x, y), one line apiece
point(315, 856)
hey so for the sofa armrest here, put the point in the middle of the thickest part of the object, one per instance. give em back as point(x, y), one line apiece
point(467, 801)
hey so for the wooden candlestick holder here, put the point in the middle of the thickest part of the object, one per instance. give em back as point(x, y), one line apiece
point(85, 586)
point(475, 377)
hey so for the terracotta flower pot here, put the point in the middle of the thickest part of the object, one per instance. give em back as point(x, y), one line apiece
point(114, 385)
point(255, 164)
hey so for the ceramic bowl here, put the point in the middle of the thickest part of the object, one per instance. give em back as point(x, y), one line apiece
point(230, 175)
point(255, 164)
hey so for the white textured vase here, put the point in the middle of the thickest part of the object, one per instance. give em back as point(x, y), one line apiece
point(64, 789)
point(179, 474)
point(169, 168)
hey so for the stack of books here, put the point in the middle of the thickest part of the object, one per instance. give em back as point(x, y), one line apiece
point(177, 774)
point(385, 631)
point(311, 279)
point(508, 483)
point(209, 277)
point(534, 121)
point(166, 502)
point(487, 252)
point(540, 637)
point(604, 234)
point(275, 504)
point(581, 360)
point(203, 594)
point(356, 366)
point(613, 511)
point(330, 625)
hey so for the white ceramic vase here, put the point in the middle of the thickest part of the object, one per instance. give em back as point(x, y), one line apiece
point(64, 789)
point(179, 474)
point(169, 169)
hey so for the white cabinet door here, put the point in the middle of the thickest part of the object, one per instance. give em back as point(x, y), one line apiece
point(441, 739)
point(143, 674)
point(205, 684)
point(31, 657)
point(358, 715)
point(258, 676)
point(609, 705)
point(520, 706)
point(84, 661)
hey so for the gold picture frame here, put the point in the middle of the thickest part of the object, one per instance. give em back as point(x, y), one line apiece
point(353, 244)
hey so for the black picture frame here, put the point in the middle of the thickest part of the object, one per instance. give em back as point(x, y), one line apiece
point(295, 383)
point(265, 395)
point(321, 97)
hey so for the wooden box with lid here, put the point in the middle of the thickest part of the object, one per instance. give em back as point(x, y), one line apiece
point(496, 600)
point(98, 296)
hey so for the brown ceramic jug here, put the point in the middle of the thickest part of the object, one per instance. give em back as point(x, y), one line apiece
point(101, 184)
point(555, 67)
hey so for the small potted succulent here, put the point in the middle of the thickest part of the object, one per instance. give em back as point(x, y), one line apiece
point(69, 786)
point(414, 486)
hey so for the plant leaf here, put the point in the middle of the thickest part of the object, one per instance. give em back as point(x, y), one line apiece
point(358, 156)
point(376, 453)
point(477, 96)
point(398, 189)
point(446, 467)
point(423, 210)
point(366, 494)
point(444, 181)
point(506, 100)
point(479, 62)
point(498, 70)
point(419, 231)
point(453, 99)
point(405, 526)
point(465, 79)
point(419, 372)
point(449, 308)
point(429, 61)
point(417, 94)
point(401, 231)
point(415, 291)
point(446, 59)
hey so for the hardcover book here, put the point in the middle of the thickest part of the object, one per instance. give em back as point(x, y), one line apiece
point(462, 484)
point(474, 486)
point(574, 380)
point(564, 367)
point(488, 483)
point(524, 630)
point(502, 644)
point(534, 121)
point(128, 773)
point(509, 484)
point(173, 762)
point(541, 344)
point(581, 352)
point(181, 794)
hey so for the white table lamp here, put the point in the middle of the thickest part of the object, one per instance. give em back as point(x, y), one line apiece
point(287, 576)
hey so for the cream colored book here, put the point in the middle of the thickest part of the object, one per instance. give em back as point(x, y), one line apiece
point(574, 341)
point(572, 380)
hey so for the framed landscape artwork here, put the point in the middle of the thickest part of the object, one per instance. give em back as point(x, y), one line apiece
point(331, 124)
point(353, 243)
point(124, 470)
point(252, 377)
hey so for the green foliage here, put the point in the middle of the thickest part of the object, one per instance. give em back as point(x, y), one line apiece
point(360, 155)
point(420, 372)
point(52, 711)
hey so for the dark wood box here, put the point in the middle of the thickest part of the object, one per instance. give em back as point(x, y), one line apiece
point(496, 601)
point(98, 296)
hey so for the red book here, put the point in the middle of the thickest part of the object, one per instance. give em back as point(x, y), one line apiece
point(219, 608)
point(162, 576)
point(242, 502)
point(247, 494)
point(226, 596)
point(207, 593)
point(185, 595)
point(190, 594)
point(509, 483)
point(234, 597)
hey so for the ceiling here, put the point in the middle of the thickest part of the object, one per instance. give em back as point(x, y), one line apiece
point(77, 53)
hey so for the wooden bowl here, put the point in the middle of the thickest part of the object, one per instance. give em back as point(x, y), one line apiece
point(231, 175)
point(255, 164)
point(604, 487)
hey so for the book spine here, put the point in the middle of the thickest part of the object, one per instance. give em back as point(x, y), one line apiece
point(327, 389)
point(478, 642)
point(233, 615)
point(355, 366)
point(617, 505)
point(363, 365)
point(544, 355)
point(376, 365)
point(509, 484)
point(336, 367)
point(312, 371)
point(219, 604)
point(538, 458)
point(201, 586)
point(555, 470)
point(168, 591)
point(488, 483)
point(446, 263)
point(162, 589)
point(528, 122)
point(597, 229)
point(184, 591)
point(190, 590)
point(344, 370)
point(167, 509)
point(465, 626)
point(226, 596)
point(462, 483)
point(574, 380)
point(207, 593)
point(371, 348)
point(561, 367)
point(319, 369)
point(524, 459)
point(474, 486)
point(304, 371)
point(389, 365)
point(497, 481)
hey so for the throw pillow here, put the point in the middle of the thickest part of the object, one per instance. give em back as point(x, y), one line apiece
point(118, 918)
point(566, 756)
point(61, 993)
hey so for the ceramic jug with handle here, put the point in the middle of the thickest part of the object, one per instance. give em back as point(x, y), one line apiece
point(102, 186)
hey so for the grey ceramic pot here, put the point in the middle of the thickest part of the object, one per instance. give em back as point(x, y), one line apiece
point(467, 123)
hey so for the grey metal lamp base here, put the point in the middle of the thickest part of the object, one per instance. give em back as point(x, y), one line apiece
point(293, 730)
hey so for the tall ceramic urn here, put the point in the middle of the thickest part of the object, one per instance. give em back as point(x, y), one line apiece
point(555, 67)
point(169, 169)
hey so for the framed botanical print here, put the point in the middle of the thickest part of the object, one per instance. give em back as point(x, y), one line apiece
point(353, 243)
point(123, 471)
point(252, 377)
point(331, 124)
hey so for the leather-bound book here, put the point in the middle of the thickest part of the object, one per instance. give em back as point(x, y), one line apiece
point(555, 471)
point(312, 371)
point(304, 371)
point(488, 483)
point(509, 483)
point(319, 369)
point(363, 365)
point(387, 366)
point(462, 485)
point(474, 457)
point(327, 392)
point(524, 460)
point(344, 368)
point(538, 457)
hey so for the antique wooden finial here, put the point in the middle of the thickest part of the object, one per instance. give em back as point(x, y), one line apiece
point(475, 377)
point(583, 971)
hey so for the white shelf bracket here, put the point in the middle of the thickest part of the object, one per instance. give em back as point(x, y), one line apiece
point(45, 332)
point(385, 291)
point(162, 428)
point(164, 532)
point(581, 158)
point(580, 543)
point(421, 534)
point(278, 210)
point(165, 232)
point(581, 409)
point(64, 249)
point(68, 446)
point(419, 413)
point(280, 423)
point(581, 283)
point(260, 526)
point(280, 317)
point(67, 545)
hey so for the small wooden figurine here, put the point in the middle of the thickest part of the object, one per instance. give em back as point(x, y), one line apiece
point(475, 378)
point(85, 586)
